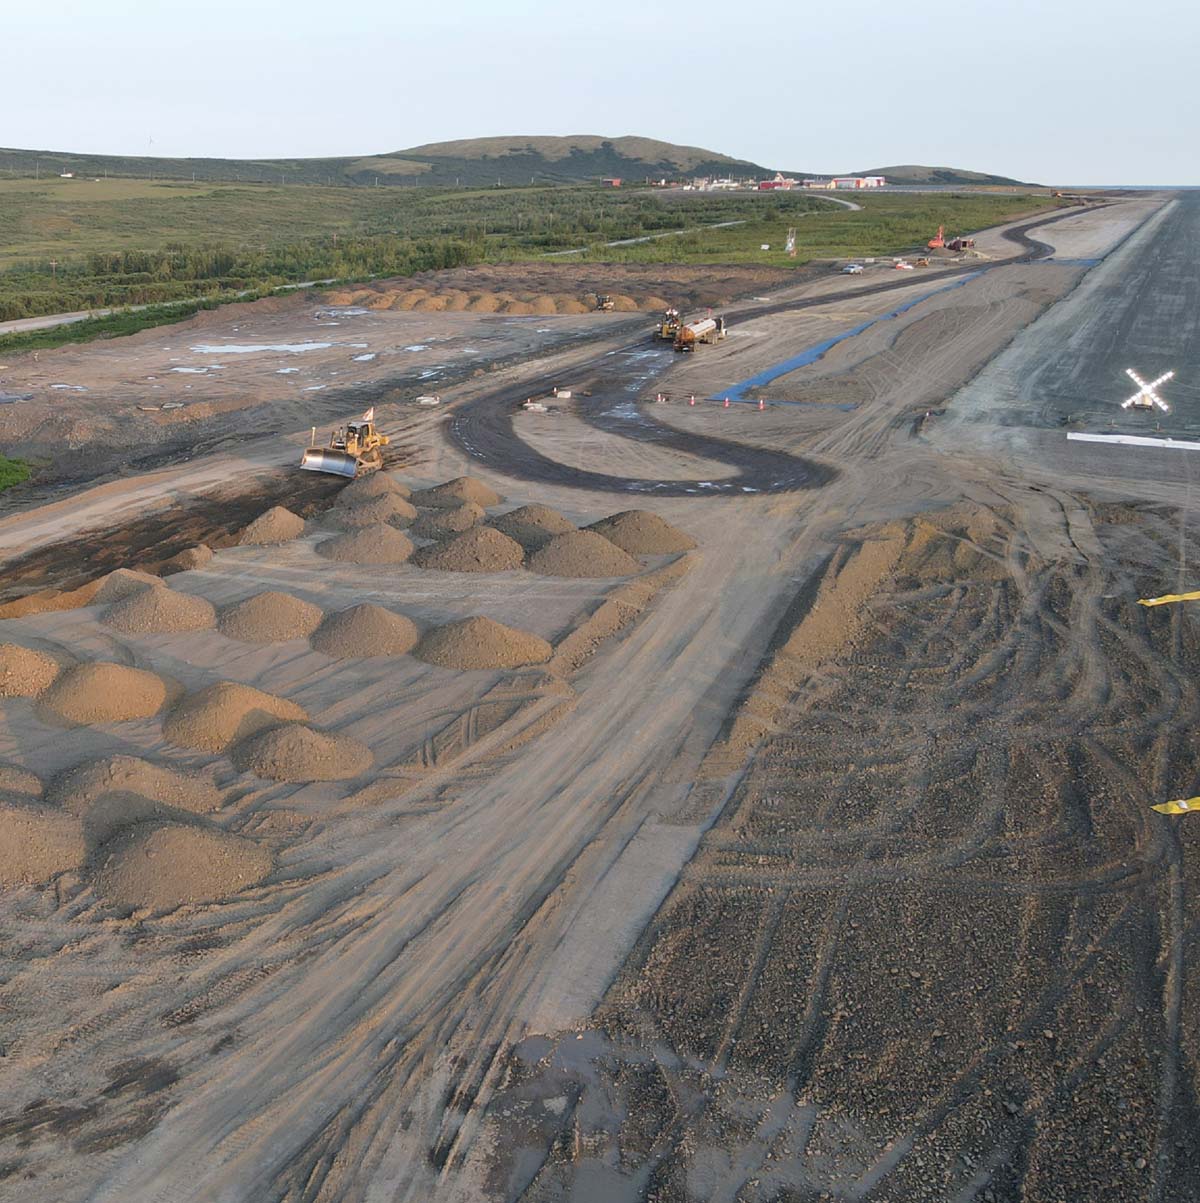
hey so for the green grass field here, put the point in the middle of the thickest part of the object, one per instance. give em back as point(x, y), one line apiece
point(12, 472)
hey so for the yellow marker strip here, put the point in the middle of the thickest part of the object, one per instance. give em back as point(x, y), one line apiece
point(1181, 806)
point(1169, 597)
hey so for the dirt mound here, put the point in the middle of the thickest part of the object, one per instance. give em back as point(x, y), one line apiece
point(25, 673)
point(38, 844)
point(452, 493)
point(440, 524)
point(374, 484)
point(583, 553)
point(481, 643)
point(378, 544)
point(161, 866)
point(160, 612)
point(212, 718)
point(276, 525)
point(270, 618)
point(122, 584)
point(104, 693)
point(480, 549)
point(299, 753)
point(190, 558)
point(77, 789)
point(533, 526)
point(390, 508)
point(642, 533)
point(16, 780)
point(365, 630)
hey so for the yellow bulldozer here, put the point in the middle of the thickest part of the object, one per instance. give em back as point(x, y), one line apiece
point(354, 448)
point(605, 303)
point(668, 327)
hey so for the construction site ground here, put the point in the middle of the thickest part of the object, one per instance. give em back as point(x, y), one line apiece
point(817, 862)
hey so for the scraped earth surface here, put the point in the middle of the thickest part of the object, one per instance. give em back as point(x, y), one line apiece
point(814, 861)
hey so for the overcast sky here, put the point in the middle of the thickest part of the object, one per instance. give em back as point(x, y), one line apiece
point(1064, 91)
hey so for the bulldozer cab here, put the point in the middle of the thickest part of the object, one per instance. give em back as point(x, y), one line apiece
point(353, 448)
point(358, 437)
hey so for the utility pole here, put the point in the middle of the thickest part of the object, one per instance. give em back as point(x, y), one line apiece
point(54, 269)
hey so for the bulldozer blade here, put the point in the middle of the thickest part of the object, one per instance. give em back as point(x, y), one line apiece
point(320, 459)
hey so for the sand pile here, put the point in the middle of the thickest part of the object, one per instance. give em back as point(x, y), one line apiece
point(276, 525)
point(642, 533)
point(481, 643)
point(38, 844)
point(104, 693)
point(160, 611)
point(190, 558)
point(122, 584)
point(440, 524)
point(454, 492)
point(16, 780)
point(583, 553)
point(390, 508)
point(533, 526)
point(79, 788)
point(298, 753)
point(378, 544)
point(212, 718)
point(365, 630)
point(162, 866)
point(270, 618)
point(374, 484)
point(25, 673)
point(480, 549)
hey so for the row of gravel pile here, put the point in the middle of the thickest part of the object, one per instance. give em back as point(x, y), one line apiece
point(379, 544)
point(160, 611)
point(443, 524)
point(474, 643)
point(213, 718)
point(189, 559)
point(78, 789)
point(276, 525)
point(641, 533)
point(453, 493)
point(270, 618)
point(365, 630)
point(374, 484)
point(480, 549)
point(388, 507)
point(123, 583)
point(295, 752)
point(582, 553)
point(533, 526)
point(104, 693)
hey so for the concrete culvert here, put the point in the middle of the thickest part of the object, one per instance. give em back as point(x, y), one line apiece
point(270, 618)
point(454, 492)
point(19, 781)
point(104, 693)
point(161, 866)
point(583, 553)
point(642, 533)
point(533, 526)
point(160, 612)
point(390, 508)
point(38, 844)
point(442, 524)
point(365, 630)
point(481, 643)
point(276, 525)
point(77, 789)
point(215, 717)
point(378, 544)
point(298, 753)
point(374, 484)
point(123, 583)
point(479, 549)
point(25, 673)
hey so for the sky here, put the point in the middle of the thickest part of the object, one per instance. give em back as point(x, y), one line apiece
point(1058, 91)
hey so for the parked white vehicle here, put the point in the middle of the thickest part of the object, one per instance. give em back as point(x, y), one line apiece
point(852, 269)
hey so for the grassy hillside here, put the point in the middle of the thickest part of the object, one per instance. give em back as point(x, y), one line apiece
point(954, 176)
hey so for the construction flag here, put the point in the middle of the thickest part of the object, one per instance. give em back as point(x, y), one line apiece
point(1167, 598)
point(1181, 806)
point(369, 416)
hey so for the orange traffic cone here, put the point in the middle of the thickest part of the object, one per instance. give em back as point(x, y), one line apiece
point(761, 403)
point(691, 398)
point(726, 402)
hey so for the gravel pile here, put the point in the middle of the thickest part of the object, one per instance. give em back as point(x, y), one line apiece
point(190, 558)
point(16, 780)
point(79, 788)
point(38, 844)
point(122, 584)
point(162, 866)
point(298, 753)
point(533, 526)
point(642, 533)
point(25, 673)
point(270, 618)
point(454, 492)
point(583, 553)
point(160, 611)
point(481, 643)
point(212, 718)
point(104, 693)
point(442, 524)
point(480, 549)
point(390, 508)
point(374, 484)
point(365, 630)
point(276, 525)
point(379, 544)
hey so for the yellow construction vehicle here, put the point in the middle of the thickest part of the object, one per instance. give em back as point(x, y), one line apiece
point(353, 448)
point(604, 303)
point(668, 328)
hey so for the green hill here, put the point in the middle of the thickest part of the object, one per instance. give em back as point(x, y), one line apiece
point(914, 174)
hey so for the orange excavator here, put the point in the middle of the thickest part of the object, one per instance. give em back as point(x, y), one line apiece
point(938, 240)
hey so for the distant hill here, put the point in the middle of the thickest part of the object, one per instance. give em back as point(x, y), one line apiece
point(913, 174)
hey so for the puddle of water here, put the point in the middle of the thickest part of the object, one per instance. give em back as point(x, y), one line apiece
point(364, 358)
point(278, 371)
point(418, 347)
point(253, 348)
point(73, 388)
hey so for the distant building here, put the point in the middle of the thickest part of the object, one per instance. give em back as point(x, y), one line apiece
point(857, 181)
point(612, 182)
point(781, 182)
point(66, 175)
